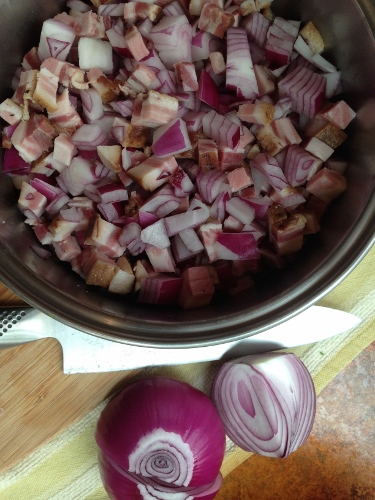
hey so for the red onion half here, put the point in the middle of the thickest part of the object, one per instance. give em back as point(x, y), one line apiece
point(267, 402)
point(160, 437)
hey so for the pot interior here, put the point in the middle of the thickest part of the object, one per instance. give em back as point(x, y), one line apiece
point(347, 231)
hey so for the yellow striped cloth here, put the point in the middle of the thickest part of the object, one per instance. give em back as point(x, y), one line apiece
point(66, 468)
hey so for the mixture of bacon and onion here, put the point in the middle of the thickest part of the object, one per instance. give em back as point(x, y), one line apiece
point(174, 148)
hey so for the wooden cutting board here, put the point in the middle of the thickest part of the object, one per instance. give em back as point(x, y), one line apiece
point(37, 400)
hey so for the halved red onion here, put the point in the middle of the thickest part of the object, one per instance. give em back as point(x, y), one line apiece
point(266, 402)
point(165, 452)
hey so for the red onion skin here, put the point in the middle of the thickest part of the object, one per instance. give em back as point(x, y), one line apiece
point(173, 407)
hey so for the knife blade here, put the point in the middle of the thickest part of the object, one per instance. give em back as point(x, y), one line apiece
point(85, 353)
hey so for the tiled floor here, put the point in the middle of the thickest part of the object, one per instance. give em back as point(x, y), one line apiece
point(338, 460)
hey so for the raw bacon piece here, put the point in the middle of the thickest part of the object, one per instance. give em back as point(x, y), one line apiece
point(135, 44)
point(11, 112)
point(91, 25)
point(45, 92)
point(339, 113)
point(327, 184)
point(197, 288)
point(68, 74)
point(153, 172)
point(186, 76)
point(326, 131)
point(32, 137)
point(215, 20)
point(208, 158)
point(104, 236)
point(156, 109)
point(136, 11)
point(31, 59)
point(258, 112)
point(275, 136)
point(161, 259)
point(66, 117)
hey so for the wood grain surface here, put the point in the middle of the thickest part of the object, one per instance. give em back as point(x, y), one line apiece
point(37, 400)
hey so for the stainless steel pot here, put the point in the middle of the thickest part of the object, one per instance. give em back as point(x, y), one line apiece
point(347, 234)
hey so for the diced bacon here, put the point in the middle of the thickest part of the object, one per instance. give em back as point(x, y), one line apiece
point(208, 158)
point(30, 200)
point(326, 131)
point(66, 117)
point(312, 37)
point(135, 43)
point(33, 137)
point(287, 235)
point(217, 62)
point(136, 11)
point(288, 197)
point(265, 80)
point(258, 112)
point(64, 150)
point(45, 92)
point(280, 41)
point(31, 60)
point(11, 112)
point(186, 76)
point(91, 25)
point(161, 259)
point(230, 159)
point(274, 137)
point(67, 249)
point(61, 228)
point(104, 236)
point(197, 288)
point(42, 233)
point(239, 178)
point(339, 113)
point(68, 74)
point(64, 17)
point(153, 172)
point(129, 135)
point(214, 20)
point(124, 279)
point(318, 148)
point(97, 268)
point(196, 6)
point(256, 26)
point(156, 109)
point(108, 89)
point(327, 184)
point(208, 233)
point(141, 79)
point(111, 157)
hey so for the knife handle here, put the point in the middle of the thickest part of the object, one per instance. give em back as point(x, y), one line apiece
point(18, 326)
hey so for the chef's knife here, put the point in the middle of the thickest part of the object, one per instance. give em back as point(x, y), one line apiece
point(85, 353)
